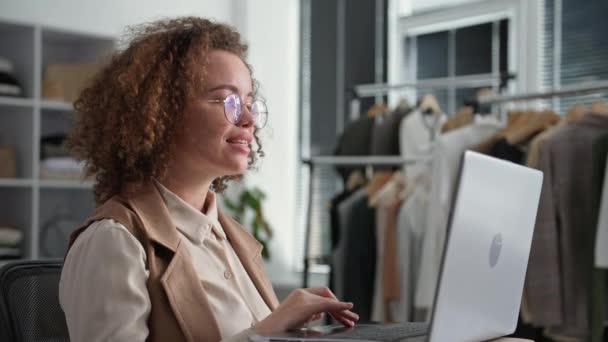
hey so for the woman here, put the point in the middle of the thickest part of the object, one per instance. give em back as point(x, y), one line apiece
point(164, 126)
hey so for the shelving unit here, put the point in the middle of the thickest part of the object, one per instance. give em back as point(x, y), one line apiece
point(27, 201)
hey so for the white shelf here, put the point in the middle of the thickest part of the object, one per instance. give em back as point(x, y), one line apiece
point(65, 184)
point(56, 105)
point(30, 201)
point(16, 101)
point(15, 183)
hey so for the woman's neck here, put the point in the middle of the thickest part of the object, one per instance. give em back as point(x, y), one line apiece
point(193, 190)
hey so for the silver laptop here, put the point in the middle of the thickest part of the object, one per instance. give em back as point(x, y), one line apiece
point(484, 261)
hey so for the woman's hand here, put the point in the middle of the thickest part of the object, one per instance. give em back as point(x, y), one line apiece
point(303, 306)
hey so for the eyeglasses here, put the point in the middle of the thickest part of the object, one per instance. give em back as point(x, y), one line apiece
point(233, 110)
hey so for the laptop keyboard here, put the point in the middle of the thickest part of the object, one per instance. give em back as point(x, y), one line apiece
point(385, 332)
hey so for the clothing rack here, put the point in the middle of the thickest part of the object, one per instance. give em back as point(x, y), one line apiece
point(585, 88)
point(497, 82)
point(469, 81)
point(349, 161)
point(579, 89)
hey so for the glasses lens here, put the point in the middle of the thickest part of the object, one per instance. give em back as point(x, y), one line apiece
point(232, 108)
point(259, 112)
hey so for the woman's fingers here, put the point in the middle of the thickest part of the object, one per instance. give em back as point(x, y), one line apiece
point(331, 305)
point(344, 320)
point(347, 314)
point(340, 315)
point(322, 291)
point(316, 317)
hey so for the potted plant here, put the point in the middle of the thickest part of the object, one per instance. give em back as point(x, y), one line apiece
point(248, 204)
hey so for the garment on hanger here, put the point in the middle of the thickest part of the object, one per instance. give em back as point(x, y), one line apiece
point(386, 284)
point(507, 151)
point(355, 255)
point(463, 117)
point(536, 146)
point(335, 227)
point(416, 134)
point(377, 109)
point(521, 127)
point(411, 226)
point(601, 242)
point(556, 285)
point(385, 134)
point(354, 141)
point(597, 292)
point(447, 155)
point(533, 123)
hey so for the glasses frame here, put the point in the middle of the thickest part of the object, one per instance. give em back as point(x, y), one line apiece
point(240, 108)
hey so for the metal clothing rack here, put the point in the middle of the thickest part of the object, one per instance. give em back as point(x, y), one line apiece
point(496, 81)
point(348, 161)
point(469, 81)
point(579, 89)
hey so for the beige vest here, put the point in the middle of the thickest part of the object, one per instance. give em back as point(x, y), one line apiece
point(180, 310)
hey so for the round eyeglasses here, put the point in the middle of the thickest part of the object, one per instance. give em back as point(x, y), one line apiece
point(233, 110)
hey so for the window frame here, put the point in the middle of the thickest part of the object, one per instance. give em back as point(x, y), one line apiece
point(524, 55)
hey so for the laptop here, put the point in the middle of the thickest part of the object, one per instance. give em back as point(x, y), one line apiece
point(484, 261)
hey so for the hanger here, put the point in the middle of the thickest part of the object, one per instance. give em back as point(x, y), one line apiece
point(377, 109)
point(378, 181)
point(532, 123)
point(463, 117)
point(575, 112)
point(403, 105)
point(355, 179)
point(428, 104)
point(600, 107)
point(513, 119)
point(391, 189)
point(483, 109)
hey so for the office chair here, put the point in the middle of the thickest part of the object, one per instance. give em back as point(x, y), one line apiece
point(29, 302)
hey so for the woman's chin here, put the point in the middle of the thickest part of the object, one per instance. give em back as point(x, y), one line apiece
point(236, 169)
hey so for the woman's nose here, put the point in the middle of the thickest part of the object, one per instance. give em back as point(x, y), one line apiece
point(247, 119)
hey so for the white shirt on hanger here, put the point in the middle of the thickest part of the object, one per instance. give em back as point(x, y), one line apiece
point(411, 224)
point(416, 134)
point(601, 240)
point(447, 155)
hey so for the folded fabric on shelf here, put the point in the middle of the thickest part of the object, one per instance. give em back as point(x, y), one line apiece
point(53, 146)
point(65, 168)
point(8, 83)
point(10, 253)
point(10, 237)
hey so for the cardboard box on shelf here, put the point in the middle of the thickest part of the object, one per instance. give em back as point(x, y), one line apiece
point(8, 162)
point(66, 81)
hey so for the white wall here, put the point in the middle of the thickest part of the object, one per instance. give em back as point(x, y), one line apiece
point(108, 17)
point(272, 29)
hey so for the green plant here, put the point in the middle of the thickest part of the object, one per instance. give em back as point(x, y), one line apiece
point(249, 203)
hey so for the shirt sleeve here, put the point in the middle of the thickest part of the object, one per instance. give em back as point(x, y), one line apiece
point(103, 285)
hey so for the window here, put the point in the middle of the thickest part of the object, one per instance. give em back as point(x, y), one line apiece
point(478, 49)
point(576, 47)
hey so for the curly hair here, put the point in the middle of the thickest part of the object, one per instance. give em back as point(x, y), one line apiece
point(126, 118)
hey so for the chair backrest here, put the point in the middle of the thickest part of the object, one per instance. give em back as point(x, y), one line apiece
point(29, 302)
